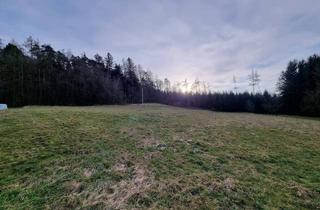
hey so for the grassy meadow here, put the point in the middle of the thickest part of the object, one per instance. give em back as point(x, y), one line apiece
point(156, 157)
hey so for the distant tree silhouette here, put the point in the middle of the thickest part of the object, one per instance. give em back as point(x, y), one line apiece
point(109, 62)
point(235, 87)
point(254, 79)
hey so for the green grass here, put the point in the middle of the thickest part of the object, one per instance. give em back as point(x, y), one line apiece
point(157, 157)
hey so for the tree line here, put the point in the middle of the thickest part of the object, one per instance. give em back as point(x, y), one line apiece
point(36, 74)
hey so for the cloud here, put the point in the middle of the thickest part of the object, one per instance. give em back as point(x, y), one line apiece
point(209, 40)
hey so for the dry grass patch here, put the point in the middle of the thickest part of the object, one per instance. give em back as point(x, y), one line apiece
point(117, 195)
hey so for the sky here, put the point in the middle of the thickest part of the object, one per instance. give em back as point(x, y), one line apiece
point(208, 40)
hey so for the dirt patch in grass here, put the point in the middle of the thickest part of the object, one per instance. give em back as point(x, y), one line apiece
point(74, 187)
point(149, 141)
point(219, 185)
point(129, 131)
point(183, 140)
point(301, 191)
point(123, 164)
point(88, 172)
point(120, 167)
point(229, 184)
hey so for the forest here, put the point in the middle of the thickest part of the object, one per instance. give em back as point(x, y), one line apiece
point(36, 74)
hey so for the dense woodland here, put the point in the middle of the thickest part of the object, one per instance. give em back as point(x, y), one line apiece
point(36, 74)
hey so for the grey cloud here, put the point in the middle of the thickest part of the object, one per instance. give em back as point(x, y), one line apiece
point(209, 40)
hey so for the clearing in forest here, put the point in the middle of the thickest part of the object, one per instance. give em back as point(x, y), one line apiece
point(157, 157)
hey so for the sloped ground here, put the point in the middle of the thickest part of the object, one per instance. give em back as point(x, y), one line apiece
point(156, 157)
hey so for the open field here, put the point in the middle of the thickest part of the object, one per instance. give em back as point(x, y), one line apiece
point(158, 157)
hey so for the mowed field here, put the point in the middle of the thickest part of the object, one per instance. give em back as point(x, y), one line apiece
point(156, 157)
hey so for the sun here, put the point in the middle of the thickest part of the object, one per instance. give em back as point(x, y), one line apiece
point(185, 89)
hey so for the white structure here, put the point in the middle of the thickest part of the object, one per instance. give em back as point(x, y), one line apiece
point(3, 107)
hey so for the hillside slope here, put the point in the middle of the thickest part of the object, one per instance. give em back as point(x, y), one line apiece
point(156, 156)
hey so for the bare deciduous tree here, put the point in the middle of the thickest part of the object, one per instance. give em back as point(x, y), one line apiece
point(254, 80)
